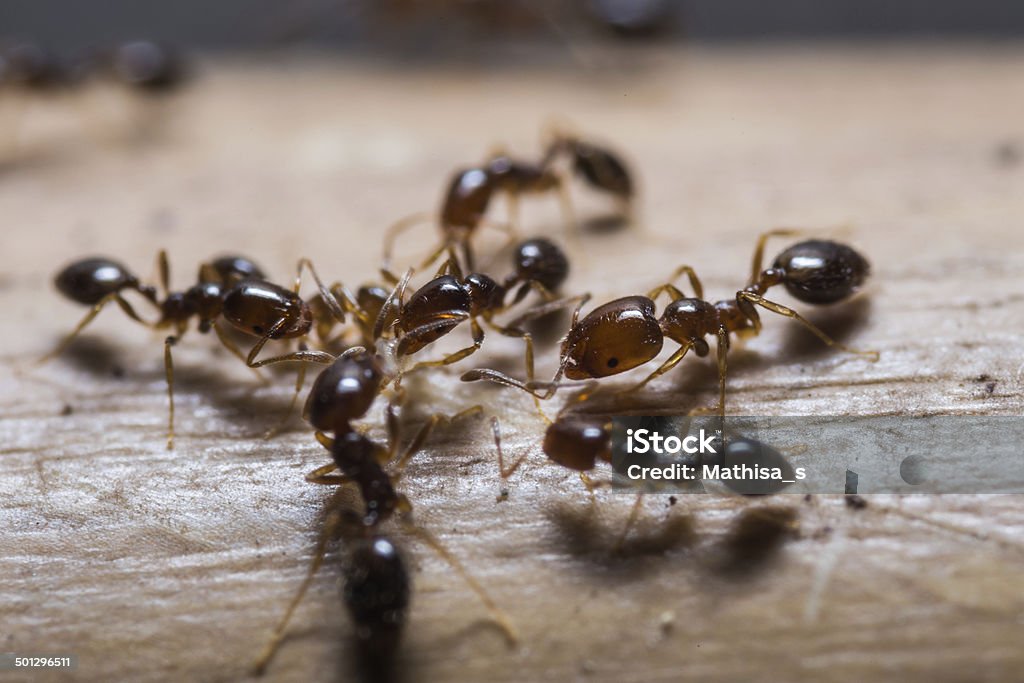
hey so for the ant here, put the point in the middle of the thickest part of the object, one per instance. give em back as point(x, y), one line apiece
point(601, 168)
point(470, 190)
point(229, 287)
point(146, 66)
point(468, 197)
point(625, 333)
point(450, 298)
point(342, 393)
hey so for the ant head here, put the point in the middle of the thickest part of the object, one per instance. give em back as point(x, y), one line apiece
point(542, 261)
point(821, 271)
point(578, 441)
point(618, 336)
point(484, 293)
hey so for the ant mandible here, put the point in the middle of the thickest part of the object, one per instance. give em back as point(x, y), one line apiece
point(625, 333)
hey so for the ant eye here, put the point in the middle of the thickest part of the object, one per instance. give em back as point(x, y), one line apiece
point(613, 362)
point(257, 329)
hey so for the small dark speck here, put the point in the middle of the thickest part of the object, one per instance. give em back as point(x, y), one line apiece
point(985, 377)
point(117, 371)
point(990, 387)
point(672, 500)
point(808, 498)
point(855, 502)
point(1007, 154)
point(66, 410)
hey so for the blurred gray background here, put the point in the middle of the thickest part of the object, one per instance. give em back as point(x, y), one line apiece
point(437, 27)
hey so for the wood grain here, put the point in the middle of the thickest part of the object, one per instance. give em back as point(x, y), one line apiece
point(156, 565)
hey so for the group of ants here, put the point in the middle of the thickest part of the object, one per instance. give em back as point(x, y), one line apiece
point(370, 339)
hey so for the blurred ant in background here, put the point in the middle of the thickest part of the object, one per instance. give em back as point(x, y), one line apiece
point(470, 190)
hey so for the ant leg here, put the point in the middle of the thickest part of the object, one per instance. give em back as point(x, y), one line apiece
point(630, 521)
point(436, 254)
point(332, 523)
point(505, 473)
point(757, 262)
point(720, 356)
point(169, 375)
point(322, 475)
point(93, 312)
point(528, 352)
point(237, 352)
point(790, 313)
point(301, 355)
point(503, 379)
point(164, 271)
point(348, 300)
point(672, 361)
point(398, 228)
point(300, 380)
point(513, 211)
point(497, 614)
point(324, 440)
point(544, 309)
point(455, 356)
point(416, 445)
point(392, 306)
point(698, 289)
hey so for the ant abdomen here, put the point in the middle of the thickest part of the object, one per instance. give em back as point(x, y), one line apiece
point(376, 593)
point(618, 336)
point(467, 199)
point(821, 271)
point(602, 169)
point(578, 442)
point(257, 307)
point(89, 280)
point(344, 391)
point(230, 270)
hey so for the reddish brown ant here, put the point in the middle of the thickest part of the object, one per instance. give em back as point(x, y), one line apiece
point(229, 287)
point(468, 198)
point(625, 333)
point(342, 393)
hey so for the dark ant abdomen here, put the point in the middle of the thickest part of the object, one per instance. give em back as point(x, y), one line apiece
point(231, 270)
point(822, 271)
point(602, 169)
point(89, 280)
point(148, 65)
point(376, 593)
point(467, 199)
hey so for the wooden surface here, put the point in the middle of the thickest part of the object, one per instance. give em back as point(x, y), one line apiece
point(156, 565)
